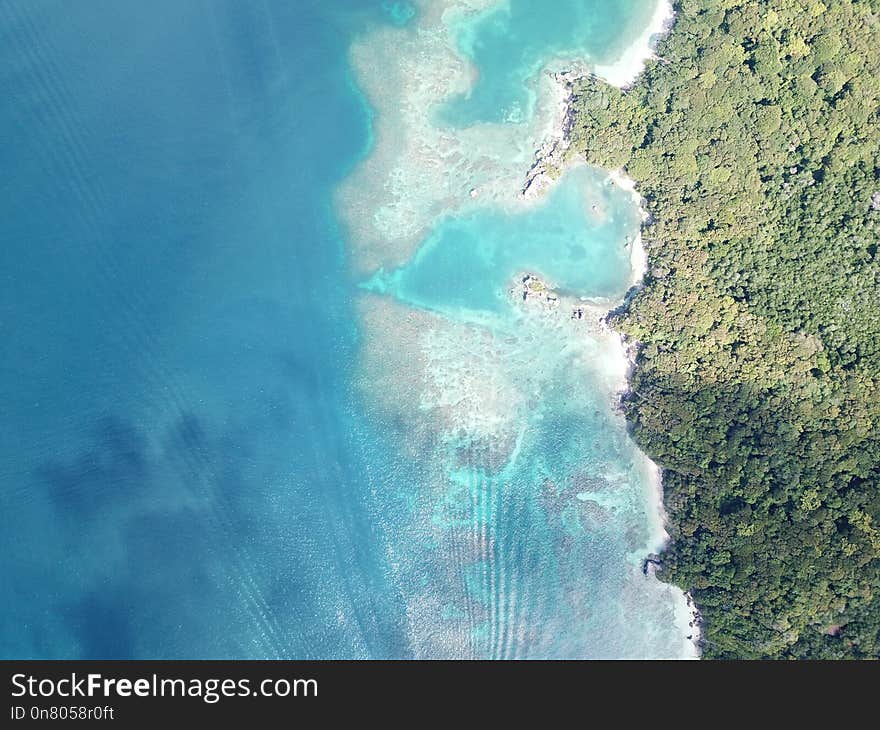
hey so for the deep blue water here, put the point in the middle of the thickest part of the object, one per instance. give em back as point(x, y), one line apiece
point(181, 459)
point(468, 262)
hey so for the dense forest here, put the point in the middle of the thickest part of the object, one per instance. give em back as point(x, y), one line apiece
point(754, 138)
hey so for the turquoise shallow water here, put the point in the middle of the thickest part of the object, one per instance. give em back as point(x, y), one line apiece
point(511, 41)
point(533, 509)
point(469, 262)
point(214, 442)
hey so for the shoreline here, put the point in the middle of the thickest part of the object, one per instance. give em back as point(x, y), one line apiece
point(550, 159)
point(624, 74)
point(638, 257)
point(481, 175)
point(625, 71)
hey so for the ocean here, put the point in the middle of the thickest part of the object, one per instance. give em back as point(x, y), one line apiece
point(269, 387)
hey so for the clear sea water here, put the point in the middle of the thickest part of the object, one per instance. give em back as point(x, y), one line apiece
point(215, 440)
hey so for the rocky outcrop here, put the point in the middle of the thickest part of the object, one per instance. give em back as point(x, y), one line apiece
point(652, 564)
point(551, 156)
point(531, 289)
